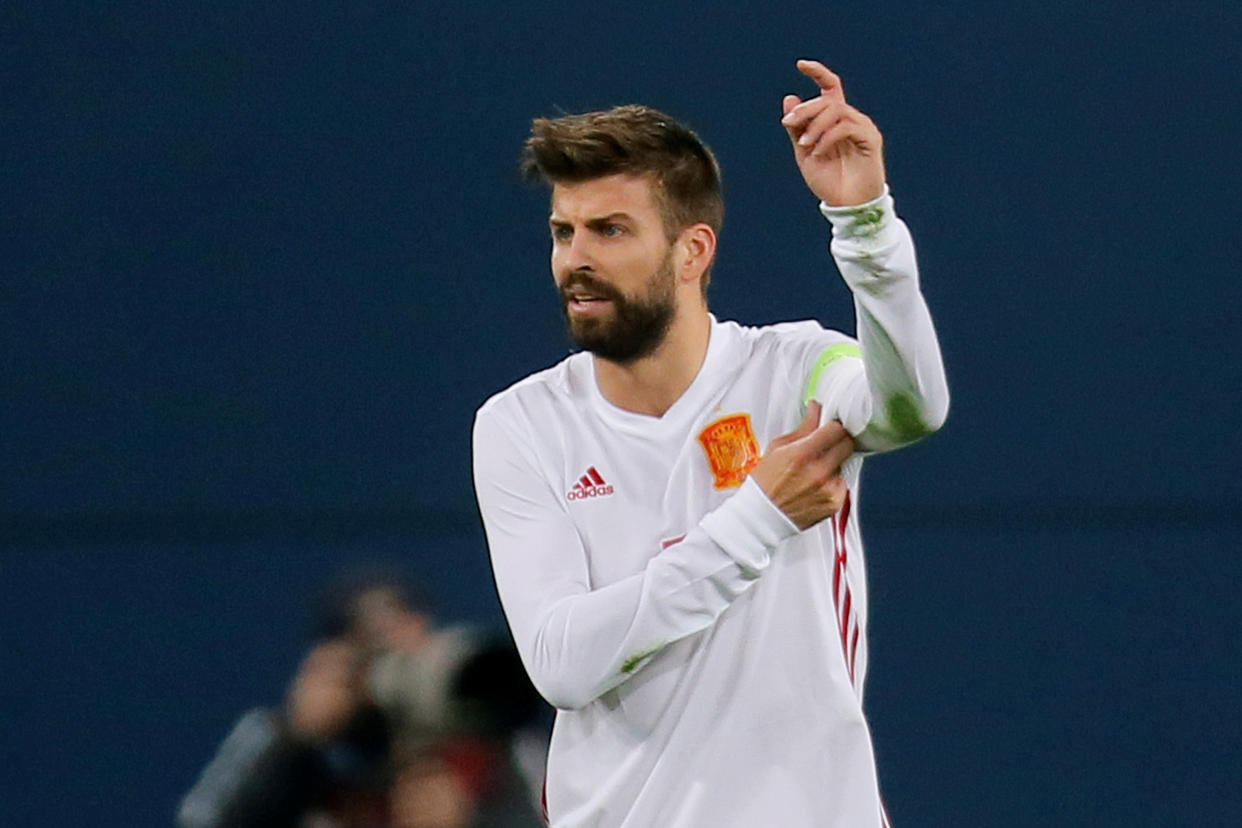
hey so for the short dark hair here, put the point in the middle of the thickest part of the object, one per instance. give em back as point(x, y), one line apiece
point(635, 140)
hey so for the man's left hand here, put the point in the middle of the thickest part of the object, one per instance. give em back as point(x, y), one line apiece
point(838, 149)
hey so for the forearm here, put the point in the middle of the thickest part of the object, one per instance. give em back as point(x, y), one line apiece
point(580, 646)
point(577, 642)
point(906, 391)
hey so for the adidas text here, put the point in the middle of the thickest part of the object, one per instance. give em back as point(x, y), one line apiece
point(581, 493)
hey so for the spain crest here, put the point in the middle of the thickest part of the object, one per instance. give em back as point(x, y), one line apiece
point(732, 449)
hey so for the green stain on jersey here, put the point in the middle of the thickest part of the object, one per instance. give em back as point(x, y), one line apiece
point(867, 221)
point(903, 418)
point(828, 357)
point(633, 661)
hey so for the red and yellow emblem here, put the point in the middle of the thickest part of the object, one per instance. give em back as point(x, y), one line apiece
point(732, 449)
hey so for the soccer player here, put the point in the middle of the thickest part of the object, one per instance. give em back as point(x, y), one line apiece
point(695, 608)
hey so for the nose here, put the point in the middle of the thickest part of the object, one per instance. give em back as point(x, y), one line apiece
point(573, 254)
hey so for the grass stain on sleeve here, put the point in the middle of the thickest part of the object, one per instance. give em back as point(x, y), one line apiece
point(633, 661)
point(904, 419)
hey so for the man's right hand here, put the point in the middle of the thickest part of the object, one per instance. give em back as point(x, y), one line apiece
point(801, 470)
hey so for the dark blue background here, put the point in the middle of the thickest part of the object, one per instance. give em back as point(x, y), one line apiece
point(261, 264)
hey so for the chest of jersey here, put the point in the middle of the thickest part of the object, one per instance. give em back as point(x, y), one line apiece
point(631, 493)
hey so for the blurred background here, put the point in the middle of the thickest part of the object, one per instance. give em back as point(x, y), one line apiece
point(261, 262)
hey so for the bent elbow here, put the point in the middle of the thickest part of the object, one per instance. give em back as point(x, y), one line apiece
point(905, 421)
point(563, 692)
point(910, 420)
point(561, 680)
point(937, 413)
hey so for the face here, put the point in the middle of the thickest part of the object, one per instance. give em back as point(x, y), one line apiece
point(384, 622)
point(613, 266)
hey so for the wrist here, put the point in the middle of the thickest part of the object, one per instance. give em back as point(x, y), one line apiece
point(864, 220)
point(748, 526)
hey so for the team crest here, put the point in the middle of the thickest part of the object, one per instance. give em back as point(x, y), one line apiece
point(732, 449)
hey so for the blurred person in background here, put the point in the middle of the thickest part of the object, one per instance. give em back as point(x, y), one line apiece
point(389, 722)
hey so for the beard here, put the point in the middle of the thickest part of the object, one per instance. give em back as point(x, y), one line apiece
point(636, 326)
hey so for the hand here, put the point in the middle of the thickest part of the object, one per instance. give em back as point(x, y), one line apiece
point(326, 692)
point(801, 471)
point(838, 149)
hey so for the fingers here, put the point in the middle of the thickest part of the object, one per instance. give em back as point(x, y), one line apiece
point(826, 436)
point(806, 122)
point(801, 472)
point(828, 447)
point(819, 125)
point(838, 452)
point(828, 128)
point(836, 489)
point(809, 422)
point(798, 117)
point(828, 82)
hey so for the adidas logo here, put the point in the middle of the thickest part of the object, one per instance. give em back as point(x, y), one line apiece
point(590, 484)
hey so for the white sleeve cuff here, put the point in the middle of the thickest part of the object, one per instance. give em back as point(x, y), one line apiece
point(748, 526)
point(860, 221)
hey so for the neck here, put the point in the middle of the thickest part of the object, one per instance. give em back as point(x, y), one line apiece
point(652, 384)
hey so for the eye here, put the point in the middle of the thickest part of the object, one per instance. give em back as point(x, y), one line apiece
point(611, 231)
point(562, 232)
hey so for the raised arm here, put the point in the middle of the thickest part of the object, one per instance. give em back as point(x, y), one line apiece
point(900, 395)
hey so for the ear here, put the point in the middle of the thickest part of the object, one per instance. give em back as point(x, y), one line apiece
point(698, 247)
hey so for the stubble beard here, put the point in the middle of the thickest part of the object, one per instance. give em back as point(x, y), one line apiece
point(635, 328)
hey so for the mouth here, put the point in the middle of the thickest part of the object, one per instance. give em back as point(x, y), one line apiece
point(584, 299)
point(585, 303)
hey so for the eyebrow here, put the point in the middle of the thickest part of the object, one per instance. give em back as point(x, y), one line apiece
point(591, 222)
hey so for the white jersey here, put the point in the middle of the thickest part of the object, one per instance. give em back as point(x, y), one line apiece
point(707, 658)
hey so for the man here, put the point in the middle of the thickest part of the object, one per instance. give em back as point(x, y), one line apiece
point(695, 610)
point(388, 722)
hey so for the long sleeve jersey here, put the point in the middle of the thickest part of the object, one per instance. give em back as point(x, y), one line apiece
point(706, 657)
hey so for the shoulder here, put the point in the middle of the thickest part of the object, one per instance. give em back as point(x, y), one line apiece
point(521, 429)
point(538, 394)
point(801, 341)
